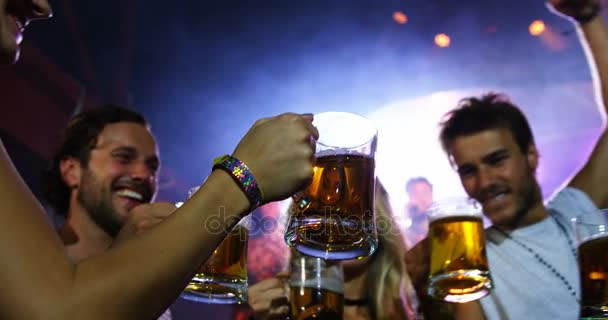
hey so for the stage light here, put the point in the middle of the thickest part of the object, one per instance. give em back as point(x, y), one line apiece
point(442, 40)
point(536, 28)
point(400, 17)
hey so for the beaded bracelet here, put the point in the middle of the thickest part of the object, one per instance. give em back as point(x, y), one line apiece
point(241, 174)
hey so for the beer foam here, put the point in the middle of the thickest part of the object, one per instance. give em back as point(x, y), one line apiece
point(338, 152)
point(331, 284)
point(454, 207)
point(343, 129)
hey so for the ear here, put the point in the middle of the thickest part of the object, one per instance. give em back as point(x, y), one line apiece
point(532, 157)
point(71, 171)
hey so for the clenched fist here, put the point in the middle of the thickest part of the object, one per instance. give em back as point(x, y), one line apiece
point(144, 217)
point(280, 152)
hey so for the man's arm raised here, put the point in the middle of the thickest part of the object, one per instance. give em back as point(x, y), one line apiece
point(140, 277)
point(594, 39)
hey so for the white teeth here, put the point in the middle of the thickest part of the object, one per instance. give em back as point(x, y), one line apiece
point(130, 194)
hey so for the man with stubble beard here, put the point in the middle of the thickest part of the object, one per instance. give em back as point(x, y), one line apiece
point(531, 246)
point(106, 164)
point(41, 282)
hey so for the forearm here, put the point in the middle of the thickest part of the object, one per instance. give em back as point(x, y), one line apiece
point(34, 270)
point(138, 278)
point(142, 278)
point(591, 178)
point(129, 282)
point(594, 38)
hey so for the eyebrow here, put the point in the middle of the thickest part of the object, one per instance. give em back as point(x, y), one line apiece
point(495, 154)
point(152, 160)
point(129, 149)
point(488, 158)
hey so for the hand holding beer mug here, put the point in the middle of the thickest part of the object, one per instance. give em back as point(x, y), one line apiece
point(459, 267)
point(222, 279)
point(334, 217)
point(316, 288)
point(592, 236)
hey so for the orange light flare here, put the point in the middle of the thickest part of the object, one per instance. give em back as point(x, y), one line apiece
point(400, 17)
point(442, 40)
point(537, 27)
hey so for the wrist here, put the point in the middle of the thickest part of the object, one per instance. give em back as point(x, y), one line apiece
point(227, 193)
point(242, 176)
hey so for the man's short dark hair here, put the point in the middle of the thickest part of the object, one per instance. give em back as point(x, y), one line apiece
point(77, 141)
point(491, 111)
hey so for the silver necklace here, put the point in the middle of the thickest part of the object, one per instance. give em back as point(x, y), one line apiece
point(544, 262)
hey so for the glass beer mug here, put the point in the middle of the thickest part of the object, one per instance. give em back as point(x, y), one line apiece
point(333, 218)
point(316, 288)
point(592, 235)
point(459, 267)
point(222, 279)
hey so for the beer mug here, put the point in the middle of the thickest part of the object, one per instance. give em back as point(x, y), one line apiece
point(459, 266)
point(333, 218)
point(316, 288)
point(222, 279)
point(592, 235)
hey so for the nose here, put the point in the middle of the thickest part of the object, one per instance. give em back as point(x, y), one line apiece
point(141, 172)
point(40, 9)
point(484, 178)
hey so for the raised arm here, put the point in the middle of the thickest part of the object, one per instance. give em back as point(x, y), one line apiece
point(594, 38)
point(139, 278)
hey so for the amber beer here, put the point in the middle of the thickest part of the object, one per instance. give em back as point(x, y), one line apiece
point(316, 304)
point(458, 267)
point(335, 219)
point(223, 277)
point(593, 263)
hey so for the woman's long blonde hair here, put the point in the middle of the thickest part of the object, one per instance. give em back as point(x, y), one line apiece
point(387, 278)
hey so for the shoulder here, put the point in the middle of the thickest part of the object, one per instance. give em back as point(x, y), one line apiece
point(571, 202)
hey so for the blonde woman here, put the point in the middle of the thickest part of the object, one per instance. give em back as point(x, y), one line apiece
point(375, 288)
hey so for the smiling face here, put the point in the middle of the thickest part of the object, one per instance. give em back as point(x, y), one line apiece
point(494, 171)
point(121, 174)
point(15, 15)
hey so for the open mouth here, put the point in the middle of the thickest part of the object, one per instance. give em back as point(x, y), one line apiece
point(130, 194)
point(495, 197)
point(136, 192)
point(499, 196)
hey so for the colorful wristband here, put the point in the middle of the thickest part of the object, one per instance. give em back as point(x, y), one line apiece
point(241, 174)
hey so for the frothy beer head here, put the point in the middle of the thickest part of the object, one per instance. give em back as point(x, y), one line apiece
point(331, 284)
point(454, 207)
point(312, 272)
point(343, 130)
